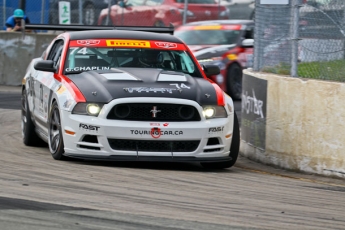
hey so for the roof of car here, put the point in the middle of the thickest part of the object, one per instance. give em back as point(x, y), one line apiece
point(121, 34)
point(211, 22)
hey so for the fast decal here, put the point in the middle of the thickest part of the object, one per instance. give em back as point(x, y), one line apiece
point(88, 42)
point(88, 127)
point(130, 43)
point(88, 68)
point(166, 45)
point(156, 132)
point(148, 89)
point(216, 129)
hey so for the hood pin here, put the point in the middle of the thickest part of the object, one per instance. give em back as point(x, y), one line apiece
point(207, 95)
point(94, 93)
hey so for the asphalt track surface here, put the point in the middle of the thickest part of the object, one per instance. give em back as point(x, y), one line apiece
point(39, 193)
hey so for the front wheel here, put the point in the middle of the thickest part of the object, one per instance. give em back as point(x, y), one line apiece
point(234, 81)
point(234, 149)
point(55, 140)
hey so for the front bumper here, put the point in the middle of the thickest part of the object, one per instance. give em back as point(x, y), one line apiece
point(102, 139)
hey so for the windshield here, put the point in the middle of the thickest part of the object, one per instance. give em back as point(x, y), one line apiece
point(82, 59)
point(208, 37)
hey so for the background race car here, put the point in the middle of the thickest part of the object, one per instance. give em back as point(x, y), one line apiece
point(161, 13)
point(127, 96)
point(226, 43)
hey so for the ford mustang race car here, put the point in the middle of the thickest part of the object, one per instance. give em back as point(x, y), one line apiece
point(127, 95)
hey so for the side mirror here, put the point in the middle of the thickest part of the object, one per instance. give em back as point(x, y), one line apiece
point(247, 43)
point(45, 65)
point(211, 70)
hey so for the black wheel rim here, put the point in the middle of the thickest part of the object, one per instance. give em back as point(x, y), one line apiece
point(24, 112)
point(54, 132)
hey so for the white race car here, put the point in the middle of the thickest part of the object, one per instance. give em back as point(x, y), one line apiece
point(127, 96)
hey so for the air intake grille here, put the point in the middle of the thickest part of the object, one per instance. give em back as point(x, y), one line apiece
point(153, 146)
point(154, 112)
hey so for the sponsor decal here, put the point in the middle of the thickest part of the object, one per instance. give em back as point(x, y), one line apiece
point(88, 42)
point(156, 132)
point(68, 103)
point(154, 111)
point(88, 68)
point(216, 129)
point(166, 124)
point(155, 124)
point(148, 89)
point(167, 45)
point(131, 43)
point(181, 86)
point(88, 127)
point(61, 89)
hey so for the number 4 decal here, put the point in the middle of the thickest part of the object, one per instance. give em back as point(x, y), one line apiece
point(182, 86)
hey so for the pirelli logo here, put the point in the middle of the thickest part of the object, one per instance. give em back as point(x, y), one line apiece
point(131, 43)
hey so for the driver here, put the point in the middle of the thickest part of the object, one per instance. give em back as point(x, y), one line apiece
point(151, 58)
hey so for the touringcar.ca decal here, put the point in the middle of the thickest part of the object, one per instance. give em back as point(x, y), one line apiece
point(87, 68)
point(156, 132)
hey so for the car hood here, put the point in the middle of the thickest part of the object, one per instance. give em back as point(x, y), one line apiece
point(105, 85)
point(205, 52)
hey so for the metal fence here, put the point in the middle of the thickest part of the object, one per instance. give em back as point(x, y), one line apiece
point(305, 38)
point(116, 12)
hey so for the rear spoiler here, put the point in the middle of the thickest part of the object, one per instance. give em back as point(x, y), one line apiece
point(169, 29)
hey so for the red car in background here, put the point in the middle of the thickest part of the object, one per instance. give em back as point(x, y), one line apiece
point(226, 43)
point(161, 12)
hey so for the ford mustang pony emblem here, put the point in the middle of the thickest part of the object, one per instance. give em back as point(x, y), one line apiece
point(148, 89)
point(154, 111)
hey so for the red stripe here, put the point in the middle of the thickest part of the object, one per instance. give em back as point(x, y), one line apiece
point(219, 93)
point(71, 87)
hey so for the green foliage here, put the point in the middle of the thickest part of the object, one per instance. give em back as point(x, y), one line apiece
point(331, 70)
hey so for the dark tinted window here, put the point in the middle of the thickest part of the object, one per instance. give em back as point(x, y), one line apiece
point(209, 37)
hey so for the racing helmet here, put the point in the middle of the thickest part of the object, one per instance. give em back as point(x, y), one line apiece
point(151, 57)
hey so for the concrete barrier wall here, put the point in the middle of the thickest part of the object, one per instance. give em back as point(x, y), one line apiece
point(16, 53)
point(304, 125)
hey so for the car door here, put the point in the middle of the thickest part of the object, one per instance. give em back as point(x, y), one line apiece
point(43, 83)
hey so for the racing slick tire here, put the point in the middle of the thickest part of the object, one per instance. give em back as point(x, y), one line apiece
point(55, 140)
point(234, 81)
point(234, 150)
point(30, 138)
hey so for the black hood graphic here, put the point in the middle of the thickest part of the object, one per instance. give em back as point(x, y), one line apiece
point(105, 85)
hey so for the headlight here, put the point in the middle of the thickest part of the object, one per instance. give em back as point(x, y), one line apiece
point(210, 112)
point(91, 109)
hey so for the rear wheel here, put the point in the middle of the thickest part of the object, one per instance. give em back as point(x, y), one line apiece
point(234, 81)
point(55, 140)
point(234, 149)
point(30, 138)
